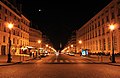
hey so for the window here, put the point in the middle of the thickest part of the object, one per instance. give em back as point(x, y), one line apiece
point(19, 26)
point(112, 15)
point(100, 45)
point(13, 32)
point(96, 33)
point(118, 8)
point(10, 14)
point(103, 31)
point(0, 7)
point(107, 19)
point(96, 45)
point(104, 44)
point(4, 29)
point(99, 32)
point(0, 16)
point(102, 20)
point(4, 39)
point(5, 18)
point(6, 11)
point(17, 41)
point(95, 25)
point(98, 23)
point(109, 46)
point(13, 40)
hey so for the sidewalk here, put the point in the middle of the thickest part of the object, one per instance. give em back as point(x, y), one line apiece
point(15, 59)
point(104, 59)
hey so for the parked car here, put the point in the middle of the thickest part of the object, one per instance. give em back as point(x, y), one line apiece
point(43, 54)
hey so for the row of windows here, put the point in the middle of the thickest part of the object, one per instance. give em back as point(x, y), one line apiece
point(101, 44)
point(98, 25)
point(7, 12)
point(96, 33)
point(101, 20)
point(17, 24)
point(16, 32)
point(15, 41)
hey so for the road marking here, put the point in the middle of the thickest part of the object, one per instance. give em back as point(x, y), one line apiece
point(66, 61)
point(55, 61)
point(72, 60)
point(39, 61)
point(78, 60)
point(49, 61)
point(61, 61)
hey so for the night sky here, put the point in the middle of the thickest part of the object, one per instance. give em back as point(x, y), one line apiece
point(57, 19)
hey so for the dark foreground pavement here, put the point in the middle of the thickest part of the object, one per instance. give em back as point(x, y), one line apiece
point(61, 69)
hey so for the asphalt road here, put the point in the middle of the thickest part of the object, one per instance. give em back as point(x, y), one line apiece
point(62, 66)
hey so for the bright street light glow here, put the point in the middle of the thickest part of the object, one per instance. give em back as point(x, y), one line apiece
point(46, 45)
point(10, 25)
point(80, 41)
point(71, 45)
point(112, 27)
point(39, 41)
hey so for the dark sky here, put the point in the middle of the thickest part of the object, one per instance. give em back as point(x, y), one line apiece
point(59, 18)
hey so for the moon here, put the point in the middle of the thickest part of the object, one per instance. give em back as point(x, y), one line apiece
point(40, 10)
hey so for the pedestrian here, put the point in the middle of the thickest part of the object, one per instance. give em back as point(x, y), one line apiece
point(30, 54)
point(110, 57)
point(39, 55)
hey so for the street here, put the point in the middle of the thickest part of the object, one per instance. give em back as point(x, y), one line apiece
point(62, 66)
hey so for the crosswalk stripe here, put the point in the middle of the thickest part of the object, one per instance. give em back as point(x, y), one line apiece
point(55, 61)
point(61, 61)
point(78, 60)
point(39, 61)
point(72, 60)
point(66, 61)
point(49, 61)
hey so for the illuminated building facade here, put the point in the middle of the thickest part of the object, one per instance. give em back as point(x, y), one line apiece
point(35, 38)
point(19, 32)
point(96, 35)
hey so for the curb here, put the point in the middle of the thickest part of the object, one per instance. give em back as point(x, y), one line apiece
point(114, 64)
point(7, 64)
point(13, 63)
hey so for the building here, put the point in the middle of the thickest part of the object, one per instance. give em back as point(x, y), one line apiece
point(96, 35)
point(35, 41)
point(19, 34)
point(35, 38)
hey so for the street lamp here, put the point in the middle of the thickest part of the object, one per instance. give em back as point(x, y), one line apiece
point(112, 27)
point(71, 48)
point(39, 42)
point(46, 46)
point(80, 42)
point(10, 26)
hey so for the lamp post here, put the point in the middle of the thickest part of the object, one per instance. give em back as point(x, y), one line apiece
point(46, 46)
point(80, 42)
point(71, 47)
point(10, 26)
point(112, 27)
point(39, 42)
